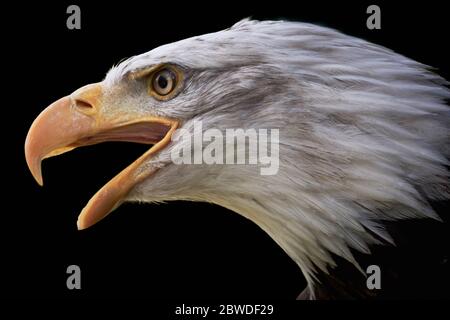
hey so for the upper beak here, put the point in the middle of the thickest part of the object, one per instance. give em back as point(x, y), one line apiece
point(80, 119)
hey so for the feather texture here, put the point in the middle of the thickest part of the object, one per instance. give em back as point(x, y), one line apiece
point(364, 134)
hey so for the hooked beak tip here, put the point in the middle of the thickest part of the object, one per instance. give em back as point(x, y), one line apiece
point(80, 226)
point(38, 177)
point(34, 163)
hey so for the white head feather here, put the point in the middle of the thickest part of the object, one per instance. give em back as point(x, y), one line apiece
point(364, 133)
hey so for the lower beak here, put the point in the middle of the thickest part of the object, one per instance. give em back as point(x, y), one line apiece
point(79, 120)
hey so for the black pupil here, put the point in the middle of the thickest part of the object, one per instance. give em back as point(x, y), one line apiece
point(162, 81)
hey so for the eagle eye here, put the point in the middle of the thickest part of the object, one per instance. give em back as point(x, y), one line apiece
point(164, 82)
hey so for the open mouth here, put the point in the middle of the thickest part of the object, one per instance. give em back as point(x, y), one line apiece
point(64, 126)
point(145, 132)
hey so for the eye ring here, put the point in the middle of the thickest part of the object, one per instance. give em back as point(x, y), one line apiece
point(164, 83)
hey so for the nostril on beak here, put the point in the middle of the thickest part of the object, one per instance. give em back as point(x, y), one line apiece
point(87, 99)
point(83, 104)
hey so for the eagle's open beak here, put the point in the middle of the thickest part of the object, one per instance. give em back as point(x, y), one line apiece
point(79, 120)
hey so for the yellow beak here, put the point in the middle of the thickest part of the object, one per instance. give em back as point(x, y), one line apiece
point(79, 120)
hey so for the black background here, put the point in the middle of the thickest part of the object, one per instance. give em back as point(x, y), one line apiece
point(177, 250)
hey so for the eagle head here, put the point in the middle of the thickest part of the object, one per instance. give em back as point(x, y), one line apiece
point(363, 133)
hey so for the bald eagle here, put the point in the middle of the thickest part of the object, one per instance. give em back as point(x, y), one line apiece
point(363, 134)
